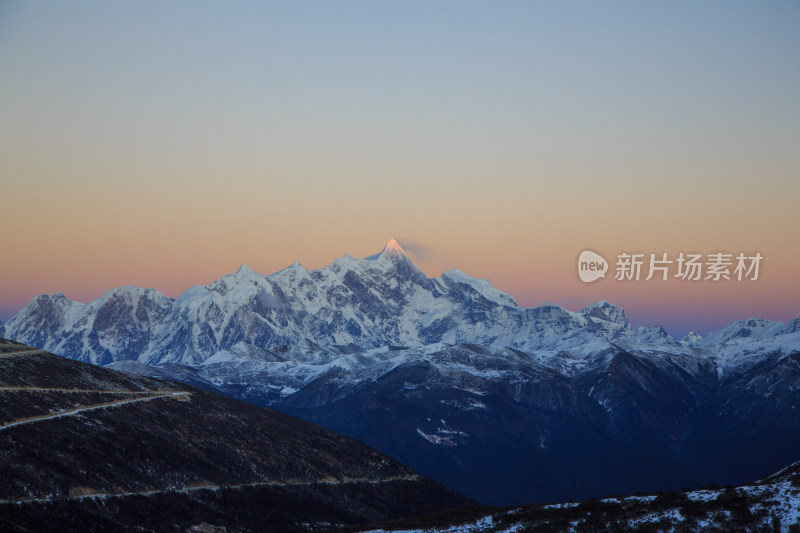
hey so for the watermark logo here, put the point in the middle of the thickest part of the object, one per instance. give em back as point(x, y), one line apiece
point(630, 266)
point(591, 266)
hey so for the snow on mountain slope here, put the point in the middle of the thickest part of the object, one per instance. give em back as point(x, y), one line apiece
point(482, 286)
point(607, 312)
point(757, 328)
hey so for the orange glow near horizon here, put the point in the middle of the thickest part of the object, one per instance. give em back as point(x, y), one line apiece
point(534, 273)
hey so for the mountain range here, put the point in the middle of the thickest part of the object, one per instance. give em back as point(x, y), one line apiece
point(507, 404)
point(383, 300)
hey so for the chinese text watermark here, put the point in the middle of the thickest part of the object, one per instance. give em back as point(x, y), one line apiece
point(631, 266)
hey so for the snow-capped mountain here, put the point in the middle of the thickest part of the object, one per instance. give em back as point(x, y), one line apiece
point(378, 301)
point(383, 300)
point(504, 403)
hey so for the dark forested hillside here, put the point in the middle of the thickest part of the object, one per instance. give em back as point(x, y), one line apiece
point(85, 445)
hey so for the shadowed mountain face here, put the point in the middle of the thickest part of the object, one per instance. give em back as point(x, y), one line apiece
point(505, 429)
point(85, 445)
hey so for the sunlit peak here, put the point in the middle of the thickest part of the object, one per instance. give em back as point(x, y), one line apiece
point(393, 248)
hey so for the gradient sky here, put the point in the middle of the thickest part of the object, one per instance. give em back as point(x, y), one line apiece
point(162, 144)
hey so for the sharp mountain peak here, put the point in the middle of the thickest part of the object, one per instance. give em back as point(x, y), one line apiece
point(393, 248)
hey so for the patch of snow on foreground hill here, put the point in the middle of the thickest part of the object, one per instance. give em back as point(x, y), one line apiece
point(766, 506)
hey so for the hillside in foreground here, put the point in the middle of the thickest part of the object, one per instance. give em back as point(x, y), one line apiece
point(85, 447)
point(771, 504)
